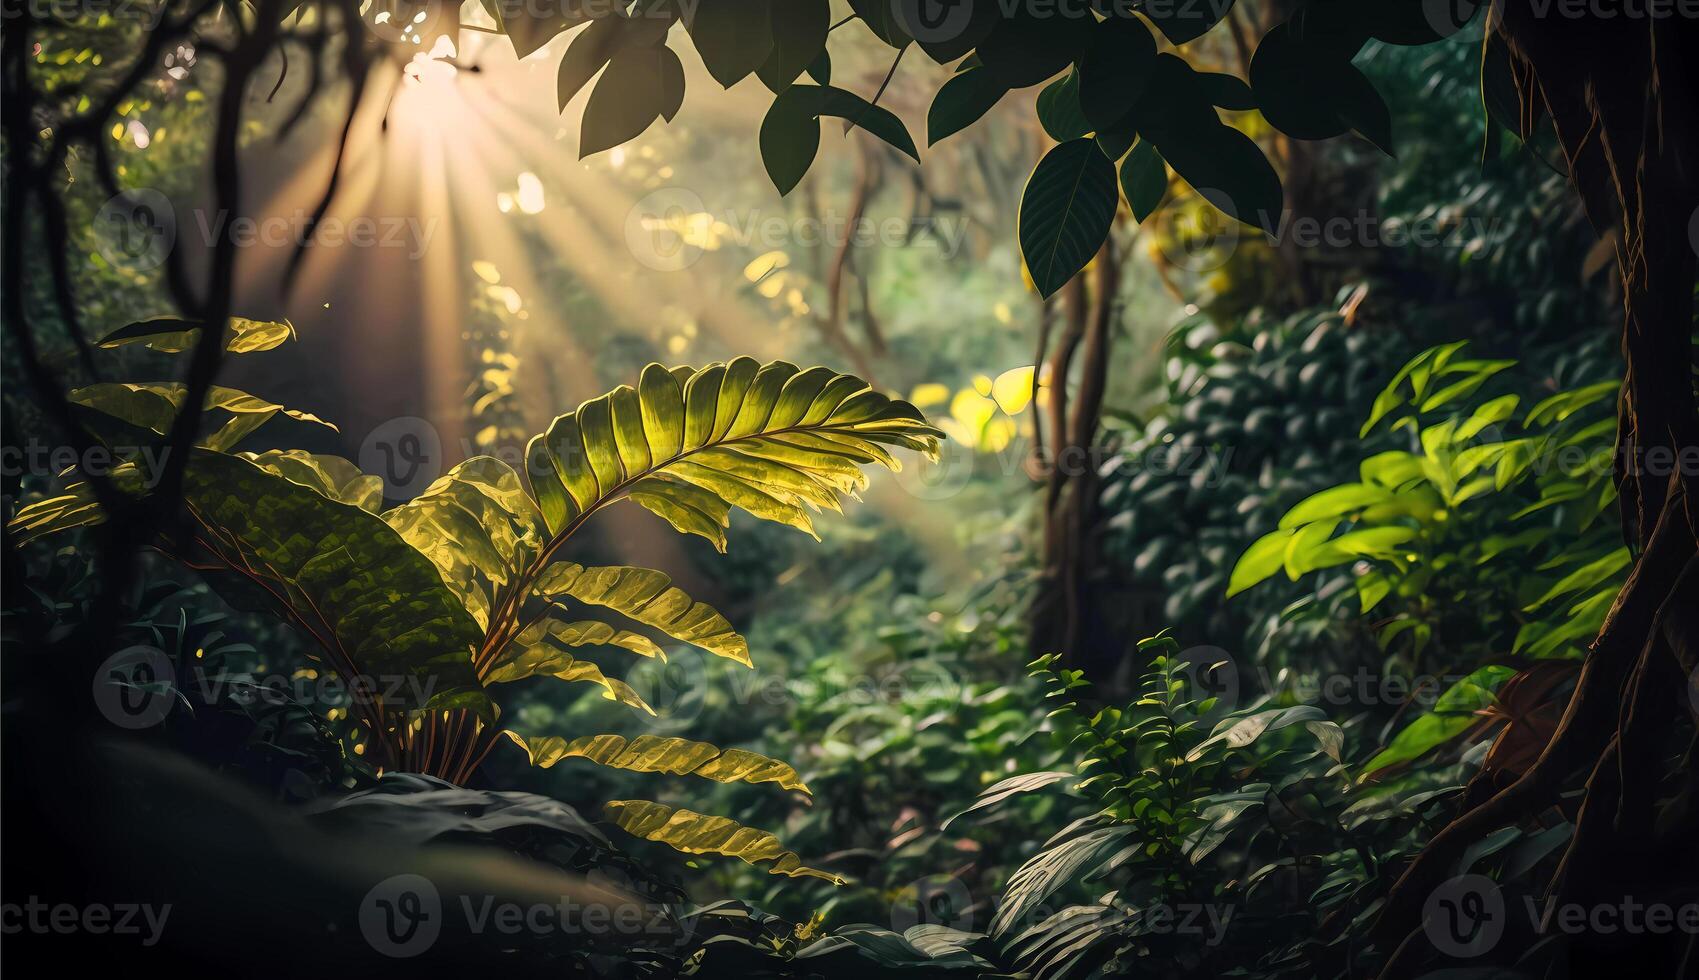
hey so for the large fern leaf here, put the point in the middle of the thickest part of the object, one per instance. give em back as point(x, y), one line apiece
point(649, 597)
point(698, 833)
point(653, 753)
point(478, 527)
point(774, 440)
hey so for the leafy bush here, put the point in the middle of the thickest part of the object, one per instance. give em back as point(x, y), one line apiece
point(1223, 837)
point(459, 588)
point(1481, 545)
point(1258, 422)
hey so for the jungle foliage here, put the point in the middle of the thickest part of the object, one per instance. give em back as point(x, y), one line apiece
point(1421, 465)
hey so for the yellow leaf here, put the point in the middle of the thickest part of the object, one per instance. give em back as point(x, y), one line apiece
point(929, 394)
point(762, 265)
point(654, 753)
point(696, 833)
point(1013, 389)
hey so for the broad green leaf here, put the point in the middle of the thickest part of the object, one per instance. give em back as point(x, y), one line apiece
point(1245, 731)
point(1222, 164)
point(588, 54)
point(1066, 210)
point(1453, 714)
point(1114, 70)
point(332, 476)
point(1307, 87)
point(790, 136)
point(799, 30)
point(1372, 588)
point(1028, 46)
point(1415, 370)
point(1059, 110)
point(641, 84)
point(1335, 502)
point(1465, 387)
point(529, 30)
point(1601, 569)
point(1227, 169)
point(734, 37)
point(1329, 737)
point(774, 440)
point(1434, 366)
point(1005, 789)
point(1566, 403)
point(697, 833)
point(790, 133)
point(1489, 413)
point(1144, 180)
point(962, 100)
point(1391, 469)
point(1419, 738)
point(1052, 869)
point(478, 527)
point(652, 753)
point(141, 408)
point(1260, 561)
point(1306, 550)
point(650, 598)
point(962, 27)
point(377, 600)
point(338, 572)
point(1369, 542)
point(173, 335)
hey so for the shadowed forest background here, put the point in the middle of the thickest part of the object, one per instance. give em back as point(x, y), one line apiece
point(746, 488)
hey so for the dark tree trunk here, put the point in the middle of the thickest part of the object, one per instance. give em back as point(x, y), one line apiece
point(1620, 92)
